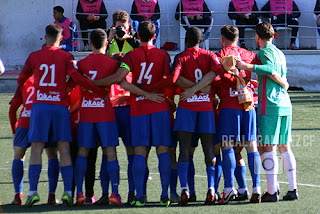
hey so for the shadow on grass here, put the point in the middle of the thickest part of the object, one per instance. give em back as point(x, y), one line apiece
point(43, 208)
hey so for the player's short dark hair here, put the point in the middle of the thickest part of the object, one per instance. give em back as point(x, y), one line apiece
point(59, 9)
point(98, 38)
point(120, 15)
point(146, 30)
point(264, 30)
point(53, 31)
point(230, 32)
point(193, 36)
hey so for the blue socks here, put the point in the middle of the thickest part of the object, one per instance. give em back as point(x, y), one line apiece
point(183, 174)
point(80, 172)
point(17, 175)
point(210, 176)
point(240, 173)
point(34, 174)
point(254, 162)
point(67, 177)
point(228, 167)
point(173, 181)
point(318, 29)
point(165, 170)
point(53, 174)
point(113, 171)
point(217, 175)
point(104, 176)
point(130, 175)
point(191, 173)
point(139, 169)
point(145, 181)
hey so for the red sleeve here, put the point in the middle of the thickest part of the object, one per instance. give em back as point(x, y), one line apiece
point(15, 103)
point(215, 65)
point(81, 80)
point(177, 67)
point(26, 72)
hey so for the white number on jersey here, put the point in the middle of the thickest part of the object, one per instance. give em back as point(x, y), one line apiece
point(145, 74)
point(45, 67)
point(198, 75)
point(31, 90)
point(94, 74)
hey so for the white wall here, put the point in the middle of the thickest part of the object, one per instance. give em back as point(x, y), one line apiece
point(23, 21)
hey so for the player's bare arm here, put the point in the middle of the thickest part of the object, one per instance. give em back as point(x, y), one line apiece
point(115, 78)
point(275, 76)
point(137, 91)
point(203, 83)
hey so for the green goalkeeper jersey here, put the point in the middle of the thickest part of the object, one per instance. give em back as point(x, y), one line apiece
point(273, 98)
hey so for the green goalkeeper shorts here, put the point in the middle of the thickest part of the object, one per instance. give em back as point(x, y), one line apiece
point(275, 130)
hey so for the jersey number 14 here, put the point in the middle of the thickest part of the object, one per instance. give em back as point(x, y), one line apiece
point(145, 74)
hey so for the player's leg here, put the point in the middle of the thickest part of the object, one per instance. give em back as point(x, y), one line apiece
point(53, 173)
point(289, 160)
point(218, 167)
point(35, 166)
point(108, 134)
point(87, 139)
point(249, 132)
point(38, 133)
point(207, 147)
point(270, 131)
point(146, 175)
point(240, 174)
point(20, 145)
point(185, 125)
point(141, 138)
point(122, 114)
point(229, 132)
point(90, 176)
point(161, 138)
point(104, 180)
point(174, 197)
point(191, 169)
point(113, 170)
point(139, 171)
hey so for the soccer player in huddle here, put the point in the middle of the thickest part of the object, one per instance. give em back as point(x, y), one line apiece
point(150, 118)
point(97, 119)
point(24, 96)
point(237, 123)
point(195, 112)
point(50, 118)
point(274, 114)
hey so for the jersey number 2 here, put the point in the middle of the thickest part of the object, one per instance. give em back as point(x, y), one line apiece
point(145, 74)
point(45, 68)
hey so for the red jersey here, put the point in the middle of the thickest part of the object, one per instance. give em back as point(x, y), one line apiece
point(23, 96)
point(228, 92)
point(119, 96)
point(50, 67)
point(193, 64)
point(94, 108)
point(148, 65)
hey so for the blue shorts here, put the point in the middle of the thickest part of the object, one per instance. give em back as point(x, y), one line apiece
point(123, 123)
point(21, 138)
point(88, 134)
point(237, 125)
point(151, 129)
point(195, 122)
point(49, 123)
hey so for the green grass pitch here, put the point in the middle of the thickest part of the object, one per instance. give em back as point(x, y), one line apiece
point(306, 147)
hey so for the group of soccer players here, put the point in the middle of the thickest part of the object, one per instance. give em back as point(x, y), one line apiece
point(197, 75)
